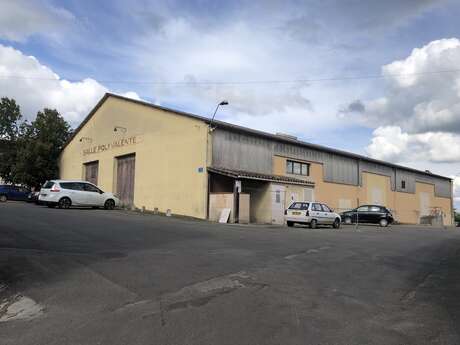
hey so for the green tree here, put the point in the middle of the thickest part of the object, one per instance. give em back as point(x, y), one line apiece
point(11, 129)
point(10, 115)
point(39, 147)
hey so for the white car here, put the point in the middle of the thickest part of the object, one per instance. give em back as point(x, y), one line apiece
point(311, 213)
point(66, 193)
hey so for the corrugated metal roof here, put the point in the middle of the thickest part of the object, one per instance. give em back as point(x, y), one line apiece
point(248, 175)
point(255, 132)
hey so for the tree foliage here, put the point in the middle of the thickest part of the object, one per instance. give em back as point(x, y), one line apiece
point(10, 132)
point(33, 148)
point(10, 115)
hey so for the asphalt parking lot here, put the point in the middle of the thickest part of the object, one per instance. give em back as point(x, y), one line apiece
point(111, 277)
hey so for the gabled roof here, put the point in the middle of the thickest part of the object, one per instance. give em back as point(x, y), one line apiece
point(254, 132)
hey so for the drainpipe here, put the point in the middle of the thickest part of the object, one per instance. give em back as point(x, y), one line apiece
point(452, 212)
point(208, 187)
point(236, 200)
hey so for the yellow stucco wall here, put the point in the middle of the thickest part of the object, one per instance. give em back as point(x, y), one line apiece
point(260, 203)
point(169, 151)
point(446, 205)
point(375, 189)
point(338, 196)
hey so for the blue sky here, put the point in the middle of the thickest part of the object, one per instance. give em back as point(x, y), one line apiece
point(410, 115)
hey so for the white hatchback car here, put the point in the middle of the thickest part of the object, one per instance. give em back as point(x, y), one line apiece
point(66, 193)
point(311, 213)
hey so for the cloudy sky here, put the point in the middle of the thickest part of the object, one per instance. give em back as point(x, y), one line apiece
point(379, 78)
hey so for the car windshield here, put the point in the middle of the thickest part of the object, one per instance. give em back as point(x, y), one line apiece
point(299, 206)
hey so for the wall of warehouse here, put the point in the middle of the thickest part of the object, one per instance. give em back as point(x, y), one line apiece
point(171, 155)
point(376, 189)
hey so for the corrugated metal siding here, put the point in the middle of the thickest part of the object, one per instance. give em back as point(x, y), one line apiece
point(340, 169)
point(336, 168)
point(405, 176)
point(241, 151)
point(442, 188)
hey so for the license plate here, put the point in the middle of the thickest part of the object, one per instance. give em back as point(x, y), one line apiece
point(296, 213)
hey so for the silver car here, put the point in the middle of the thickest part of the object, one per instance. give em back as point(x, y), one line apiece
point(67, 193)
point(311, 213)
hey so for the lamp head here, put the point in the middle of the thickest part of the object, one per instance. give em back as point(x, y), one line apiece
point(223, 103)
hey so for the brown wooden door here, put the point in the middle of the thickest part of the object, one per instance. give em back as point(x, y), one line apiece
point(91, 172)
point(125, 179)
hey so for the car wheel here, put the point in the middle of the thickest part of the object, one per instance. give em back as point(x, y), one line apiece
point(64, 203)
point(383, 222)
point(313, 224)
point(3, 198)
point(336, 223)
point(347, 220)
point(290, 224)
point(109, 204)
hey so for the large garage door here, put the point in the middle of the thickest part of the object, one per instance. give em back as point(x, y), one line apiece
point(91, 172)
point(125, 179)
point(424, 204)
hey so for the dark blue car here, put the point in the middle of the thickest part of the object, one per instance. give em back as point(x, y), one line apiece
point(9, 192)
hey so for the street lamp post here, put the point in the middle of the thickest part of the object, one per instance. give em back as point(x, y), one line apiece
point(214, 115)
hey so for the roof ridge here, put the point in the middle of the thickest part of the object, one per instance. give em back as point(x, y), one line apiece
point(247, 130)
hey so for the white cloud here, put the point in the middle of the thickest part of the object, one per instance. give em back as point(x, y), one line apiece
point(20, 19)
point(392, 144)
point(35, 86)
point(417, 119)
point(346, 22)
point(415, 98)
point(436, 152)
point(235, 53)
point(277, 41)
point(188, 54)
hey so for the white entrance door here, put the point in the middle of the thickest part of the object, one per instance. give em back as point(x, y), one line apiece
point(278, 194)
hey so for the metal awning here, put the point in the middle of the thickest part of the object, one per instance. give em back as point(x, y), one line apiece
point(247, 175)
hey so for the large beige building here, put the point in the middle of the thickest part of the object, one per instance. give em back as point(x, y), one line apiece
point(162, 159)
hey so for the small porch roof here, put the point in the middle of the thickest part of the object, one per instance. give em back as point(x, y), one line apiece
point(247, 175)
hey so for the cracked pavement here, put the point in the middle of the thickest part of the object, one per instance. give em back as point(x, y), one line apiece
point(100, 277)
